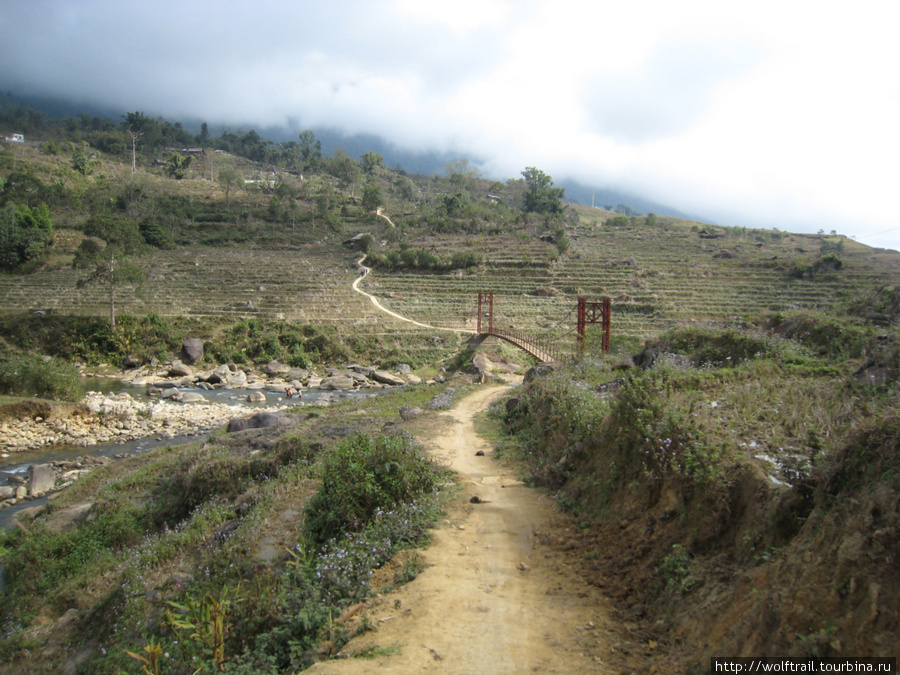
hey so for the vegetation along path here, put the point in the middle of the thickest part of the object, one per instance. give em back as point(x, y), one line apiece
point(499, 593)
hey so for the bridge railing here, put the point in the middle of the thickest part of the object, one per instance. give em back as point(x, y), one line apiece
point(532, 345)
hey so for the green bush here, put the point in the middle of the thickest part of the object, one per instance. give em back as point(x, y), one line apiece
point(30, 376)
point(362, 476)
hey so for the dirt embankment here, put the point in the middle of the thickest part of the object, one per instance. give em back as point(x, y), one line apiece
point(501, 592)
point(766, 569)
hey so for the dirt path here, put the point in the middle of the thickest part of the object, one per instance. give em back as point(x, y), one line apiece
point(500, 593)
point(364, 272)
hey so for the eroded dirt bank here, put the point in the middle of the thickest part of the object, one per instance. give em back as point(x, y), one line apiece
point(501, 592)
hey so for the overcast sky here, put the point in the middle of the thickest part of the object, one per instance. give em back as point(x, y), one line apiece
point(766, 114)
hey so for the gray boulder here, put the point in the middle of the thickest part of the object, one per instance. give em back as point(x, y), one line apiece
point(481, 364)
point(276, 368)
point(179, 369)
point(193, 397)
point(261, 420)
point(387, 378)
point(540, 370)
point(337, 382)
point(41, 478)
point(296, 374)
point(404, 369)
point(220, 375)
point(191, 351)
point(257, 397)
point(7, 492)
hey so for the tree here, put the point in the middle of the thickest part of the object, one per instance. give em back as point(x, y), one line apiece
point(371, 198)
point(81, 158)
point(310, 151)
point(371, 162)
point(108, 254)
point(342, 167)
point(135, 124)
point(230, 178)
point(540, 195)
point(177, 165)
point(460, 166)
point(25, 234)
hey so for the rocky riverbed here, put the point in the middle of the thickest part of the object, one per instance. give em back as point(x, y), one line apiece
point(166, 410)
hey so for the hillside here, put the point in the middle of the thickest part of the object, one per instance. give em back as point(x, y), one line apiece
point(266, 255)
point(727, 480)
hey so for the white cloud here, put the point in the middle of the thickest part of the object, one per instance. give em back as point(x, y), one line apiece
point(777, 114)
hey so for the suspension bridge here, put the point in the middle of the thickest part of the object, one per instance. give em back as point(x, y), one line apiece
point(542, 349)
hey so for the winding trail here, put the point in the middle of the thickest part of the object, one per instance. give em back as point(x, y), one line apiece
point(365, 272)
point(500, 592)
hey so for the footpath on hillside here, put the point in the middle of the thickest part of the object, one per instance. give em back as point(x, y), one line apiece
point(500, 592)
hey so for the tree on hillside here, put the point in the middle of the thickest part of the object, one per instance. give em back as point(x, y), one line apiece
point(230, 179)
point(371, 198)
point(371, 162)
point(344, 168)
point(25, 234)
point(108, 254)
point(310, 151)
point(177, 165)
point(81, 158)
point(540, 195)
point(135, 124)
point(460, 166)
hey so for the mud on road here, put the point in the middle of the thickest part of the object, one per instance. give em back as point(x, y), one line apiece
point(500, 592)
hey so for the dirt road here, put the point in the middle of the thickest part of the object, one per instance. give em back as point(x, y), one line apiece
point(500, 593)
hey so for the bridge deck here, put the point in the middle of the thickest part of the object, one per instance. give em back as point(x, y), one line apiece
point(543, 352)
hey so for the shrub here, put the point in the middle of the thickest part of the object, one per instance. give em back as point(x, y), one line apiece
point(29, 376)
point(362, 476)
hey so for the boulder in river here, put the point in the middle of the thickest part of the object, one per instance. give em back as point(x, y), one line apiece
point(41, 478)
point(191, 351)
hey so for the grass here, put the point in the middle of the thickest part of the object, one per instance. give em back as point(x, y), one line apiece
point(167, 557)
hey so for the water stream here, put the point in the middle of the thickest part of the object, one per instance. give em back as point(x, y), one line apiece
point(18, 463)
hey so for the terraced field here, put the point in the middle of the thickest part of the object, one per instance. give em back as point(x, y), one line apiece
point(656, 277)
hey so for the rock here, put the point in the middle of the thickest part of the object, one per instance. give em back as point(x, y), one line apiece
point(257, 397)
point(645, 358)
point(363, 370)
point(220, 375)
point(238, 379)
point(298, 374)
point(171, 393)
point(337, 382)
point(191, 351)
point(276, 368)
point(357, 377)
point(7, 492)
point(479, 453)
point(387, 378)
point(407, 413)
point(261, 420)
point(179, 369)
point(623, 364)
point(481, 364)
point(404, 369)
point(413, 379)
point(69, 517)
point(193, 397)
point(131, 362)
point(540, 370)
point(41, 478)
